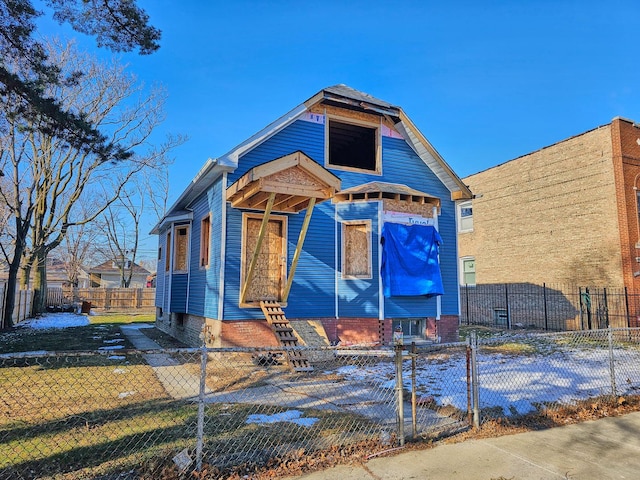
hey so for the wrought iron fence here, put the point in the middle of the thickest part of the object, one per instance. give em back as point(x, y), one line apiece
point(165, 413)
point(548, 306)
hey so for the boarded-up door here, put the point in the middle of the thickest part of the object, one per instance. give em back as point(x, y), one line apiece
point(270, 270)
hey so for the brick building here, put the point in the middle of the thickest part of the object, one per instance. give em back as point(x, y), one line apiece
point(565, 214)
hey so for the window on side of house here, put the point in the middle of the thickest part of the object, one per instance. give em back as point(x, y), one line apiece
point(181, 248)
point(205, 240)
point(167, 256)
point(356, 249)
point(465, 217)
point(468, 271)
point(353, 145)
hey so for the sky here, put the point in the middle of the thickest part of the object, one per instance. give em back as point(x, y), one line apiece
point(484, 81)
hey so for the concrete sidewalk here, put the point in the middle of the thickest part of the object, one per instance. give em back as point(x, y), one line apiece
point(177, 380)
point(597, 450)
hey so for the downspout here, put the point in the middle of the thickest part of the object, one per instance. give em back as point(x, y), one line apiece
point(380, 288)
point(335, 259)
point(223, 246)
point(186, 306)
point(438, 297)
point(169, 277)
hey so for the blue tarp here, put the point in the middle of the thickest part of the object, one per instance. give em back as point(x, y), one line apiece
point(410, 260)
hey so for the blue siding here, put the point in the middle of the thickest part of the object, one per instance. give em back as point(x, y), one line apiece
point(402, 165)
point(204, 282)
point(179, 287)
point(161, 280)
point(313, 289)
point(300, 135)
point(313, 292)
point(359, 297)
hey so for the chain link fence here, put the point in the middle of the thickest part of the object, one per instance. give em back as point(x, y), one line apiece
point(174, 413)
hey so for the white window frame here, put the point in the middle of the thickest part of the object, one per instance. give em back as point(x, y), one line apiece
point(463, 260)
point(460, 207)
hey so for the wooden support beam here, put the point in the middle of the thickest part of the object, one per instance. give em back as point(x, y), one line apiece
point(256, 253)
point(296, 255)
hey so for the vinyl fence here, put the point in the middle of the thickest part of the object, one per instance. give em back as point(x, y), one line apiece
point(212, 414)
point(548, 306)
point(104, 298)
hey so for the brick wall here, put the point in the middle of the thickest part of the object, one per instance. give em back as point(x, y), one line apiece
point(349, 331)
point(186, 328)
point(626, 157)
point(444, 330)
point(549, 216)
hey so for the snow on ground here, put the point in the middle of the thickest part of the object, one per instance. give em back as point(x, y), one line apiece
point(513, 383)
point(55, 320)
point(293, 416)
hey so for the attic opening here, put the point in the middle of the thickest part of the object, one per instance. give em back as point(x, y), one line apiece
point(353, 146)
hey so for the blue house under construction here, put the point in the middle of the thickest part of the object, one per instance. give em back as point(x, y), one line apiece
point(335, 223)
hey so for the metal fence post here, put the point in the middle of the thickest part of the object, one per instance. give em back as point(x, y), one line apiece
point(201, 395)
point(414, 400)
point(544, 299)
point(474, 380)
point(612, 368)
point(399, 394)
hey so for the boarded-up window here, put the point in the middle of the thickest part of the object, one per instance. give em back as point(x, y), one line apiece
point(167, 257)
point(356, 249)
point(269, 272)
point(181, 247)
point(205, 239)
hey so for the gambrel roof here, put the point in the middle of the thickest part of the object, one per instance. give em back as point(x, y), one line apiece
point(337, 95)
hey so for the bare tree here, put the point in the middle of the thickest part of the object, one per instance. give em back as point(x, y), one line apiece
point(121, 226)
point(49, 176)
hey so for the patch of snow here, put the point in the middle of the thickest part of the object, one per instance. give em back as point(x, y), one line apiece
point(138, 325)
point(292, 416)
point(515, 384)
point(116, 357)
point(114, 340)
point(55, 320)
point(112, 347)
point(119, 371)
point(126, 394)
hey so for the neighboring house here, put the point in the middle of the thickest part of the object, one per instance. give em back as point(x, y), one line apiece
point(58, 276)
point(108, 275)
point(565, 214)
point(295, 215)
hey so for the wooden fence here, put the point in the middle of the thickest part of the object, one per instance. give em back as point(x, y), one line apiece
point(106, 298)
point(22, 309)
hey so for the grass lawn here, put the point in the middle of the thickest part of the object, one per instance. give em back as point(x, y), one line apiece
point(91, 337)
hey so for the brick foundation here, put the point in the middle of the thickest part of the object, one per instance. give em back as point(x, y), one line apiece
point(258, 333)
point(444, 330)
point(351, 331)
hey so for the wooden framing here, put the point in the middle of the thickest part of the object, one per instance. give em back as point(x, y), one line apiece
point(294, 179)
point(391, 193)
point(288, 184)
point(256, 253)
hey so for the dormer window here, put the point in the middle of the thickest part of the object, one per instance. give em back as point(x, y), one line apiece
point(353, 145)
